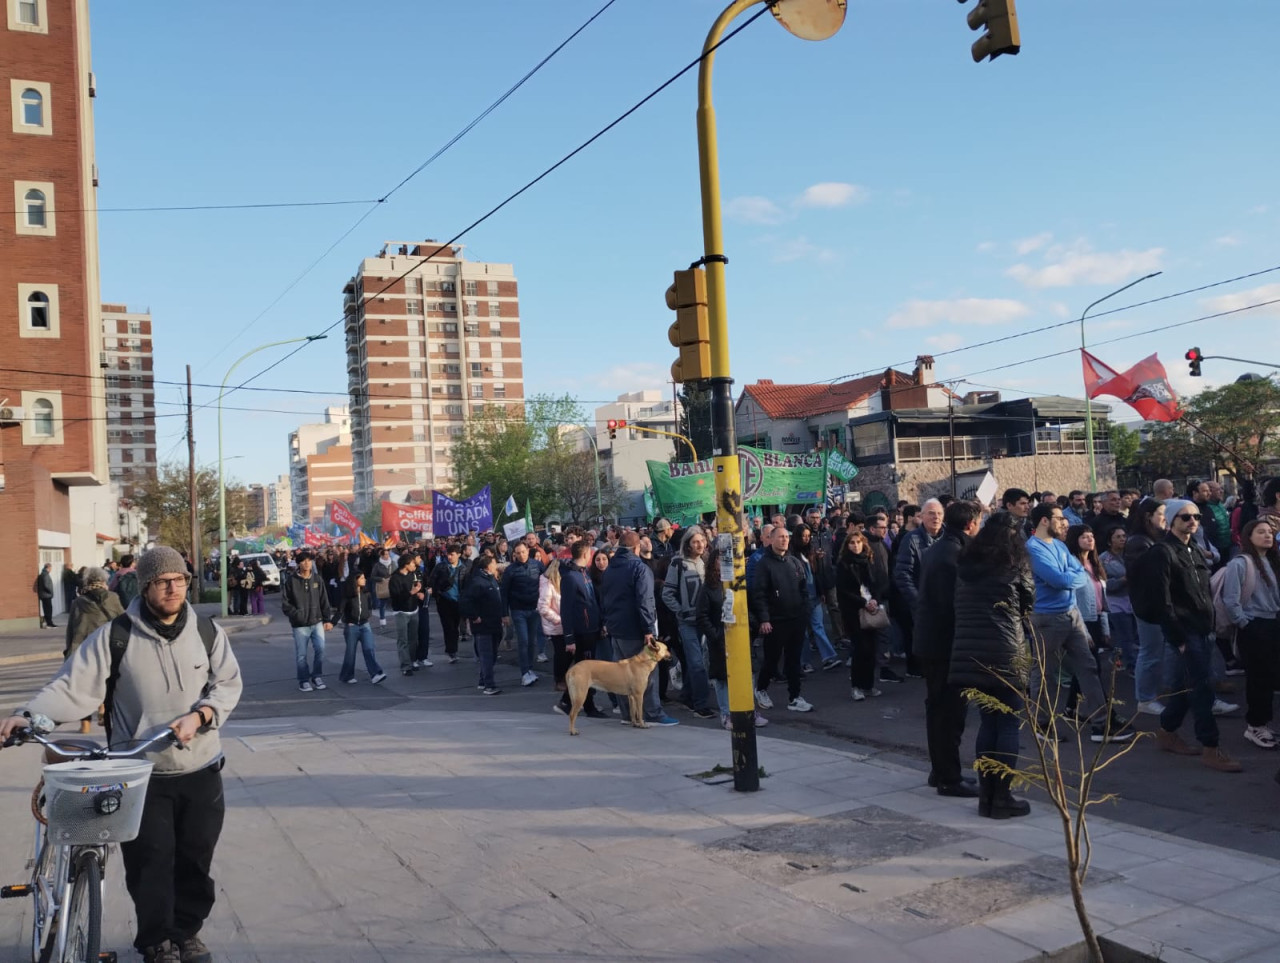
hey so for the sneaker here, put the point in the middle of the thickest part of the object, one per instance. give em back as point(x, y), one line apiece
point(761, 721)
point(380, 677)
point(1221, 708)
point(705, 713)
point(193, 950)
point(1151, 708)
point(305, 687)
point(1235, 668)
point(663, 721)
point(858, 694)
point(617, 710)
point(763, 700)
point(888, 675)
point(529, 678)
point(453, 660)
point(491, 690)
point(559, 707)
point(799, 705)
point(426, 664)
point(352, 681)
point(1215, 758)
point(319, 683)
point(1260, 736)
point(382, 623)
point(913, 674)
point(1100, 735)
point(1172, 742)
point(829, 664)
point(406, 672)
point(807, 669)
point(164, 952)
point(541, 657)
point(726, 723)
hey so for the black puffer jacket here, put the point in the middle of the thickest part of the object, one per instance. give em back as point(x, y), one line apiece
point(1144, 595)
point(1177, 579)
point(780, 592)
point(992, 606)
point(710, 618)
point(482, 599)
point(935, 622)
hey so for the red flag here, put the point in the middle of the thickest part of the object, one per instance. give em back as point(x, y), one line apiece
point(341, 516)
point(312, 538)
point(406, 518)
point(1144, 387)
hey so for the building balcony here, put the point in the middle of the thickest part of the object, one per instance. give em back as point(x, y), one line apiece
point(968, 448)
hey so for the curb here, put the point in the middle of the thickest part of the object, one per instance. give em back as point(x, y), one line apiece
point(30, 657)
point(231, 629)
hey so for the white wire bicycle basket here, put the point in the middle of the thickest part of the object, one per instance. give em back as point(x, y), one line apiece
point(95, 802)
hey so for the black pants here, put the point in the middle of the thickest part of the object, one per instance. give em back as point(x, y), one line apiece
point(1259, 645)
point(862, 654)
point(787, 640)
point(944, 711)
point(906, 623)
point(448, 609)
point(424, 632)
point(582, 649)
point(46, 607)
point(167, 867)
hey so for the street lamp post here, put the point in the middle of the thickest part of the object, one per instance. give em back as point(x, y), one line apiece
point(809, 20)
point(1088, 403)
point(222, 488)
point(595, 450)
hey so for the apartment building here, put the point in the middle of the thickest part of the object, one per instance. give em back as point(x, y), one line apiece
point(316, 467)
point(624, 458)
point(280, 503)
point(52, 440)
point(129, 373)
point(431, 339)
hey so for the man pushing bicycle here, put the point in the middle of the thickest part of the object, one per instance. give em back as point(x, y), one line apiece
point(158, 666)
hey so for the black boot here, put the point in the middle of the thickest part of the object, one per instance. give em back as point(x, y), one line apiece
point(986, 787)
point(1004, 805)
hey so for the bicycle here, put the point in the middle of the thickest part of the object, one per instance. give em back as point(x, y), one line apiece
point(88, 799)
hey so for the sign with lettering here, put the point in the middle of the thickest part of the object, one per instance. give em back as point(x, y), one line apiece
point(405, 518)
point(452, 517)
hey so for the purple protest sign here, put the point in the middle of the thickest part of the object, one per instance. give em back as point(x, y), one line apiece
point(451, 517)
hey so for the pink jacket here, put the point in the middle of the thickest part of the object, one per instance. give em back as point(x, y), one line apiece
point(549, 607)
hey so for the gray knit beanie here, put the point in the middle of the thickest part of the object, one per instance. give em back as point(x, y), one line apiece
point(1175, 505)
point(96, 576)
point(155, 562)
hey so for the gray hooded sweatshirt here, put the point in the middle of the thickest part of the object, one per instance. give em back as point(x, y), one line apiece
point(159, 682)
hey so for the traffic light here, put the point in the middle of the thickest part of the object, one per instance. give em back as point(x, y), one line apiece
point(691, 332)
point(613, 426)
point(1195, 356)
point(1000, 17)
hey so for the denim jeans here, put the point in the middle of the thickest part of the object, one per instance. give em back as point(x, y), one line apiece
point(1155, 664)
point(1063, 639)
point(526, 624)
point(997, 736)
point(1193, 690)
point(625, 649)
point(721, 689)
point(818, 635)
point(696, 684)
point(1124, 636)
point(315, 635)
point(363, 635)
point(487, 654)
point(382, 609)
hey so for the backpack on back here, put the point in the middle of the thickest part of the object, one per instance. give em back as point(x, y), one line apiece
point(127, 588)
point(121, 626)
point(1223, 627)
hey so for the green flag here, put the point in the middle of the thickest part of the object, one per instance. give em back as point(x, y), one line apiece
point(686, 490)
point(650, 510)
point(528, 517)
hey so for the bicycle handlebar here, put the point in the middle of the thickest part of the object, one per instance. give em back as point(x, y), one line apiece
point(21, 736)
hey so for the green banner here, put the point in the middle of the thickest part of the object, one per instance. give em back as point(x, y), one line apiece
point(684, 491)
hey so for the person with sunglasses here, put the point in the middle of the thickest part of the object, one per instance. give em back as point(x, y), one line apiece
point(1179, 572)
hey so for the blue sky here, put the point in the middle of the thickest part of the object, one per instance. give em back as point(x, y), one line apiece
point(884, 195)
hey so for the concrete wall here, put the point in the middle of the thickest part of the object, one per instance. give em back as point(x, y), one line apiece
point(924, 479)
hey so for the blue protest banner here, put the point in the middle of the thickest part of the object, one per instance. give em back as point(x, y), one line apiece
point(450, 517)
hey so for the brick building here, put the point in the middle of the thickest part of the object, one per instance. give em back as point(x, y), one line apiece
point(50, 307)
point(328, 476)
point(422, 356)
point(131, 398)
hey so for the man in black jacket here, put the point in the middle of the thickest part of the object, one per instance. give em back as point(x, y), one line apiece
point(935, 623)
point(406, 593)
point(1176, 570)
point(906, 575)
point(305, 603)
point(779, 601)
point(580, 620)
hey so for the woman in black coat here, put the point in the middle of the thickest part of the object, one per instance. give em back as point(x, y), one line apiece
point(710, 620)
point(357, 609)
point(995, 594)
point(481, 604)
point(854, 583)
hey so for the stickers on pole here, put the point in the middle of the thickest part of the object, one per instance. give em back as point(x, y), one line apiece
point(726, 610)
point(724, 545)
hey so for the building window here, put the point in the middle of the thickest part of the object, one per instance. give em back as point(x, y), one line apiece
point(493, 289)
point(450, 308)
point(499, 390)
point(473, 308)
point(871, 440)
point(447, 287)
point(471, 288)
point(32, 108)
point(495, 329)
point(495, 309)
point(495, 370)
point(415, 371)
point(42, 418)
point(412, 286)
point(477, 369)
point(413, 307)
point(29, 12)
point(135, 327)
point(34, 204)
point(34, 208)
point(28, 15)
point(43, 425)
point(472, 329)
point(412, 327)
point(38, 307)
point(477, 391)
point(495, 350)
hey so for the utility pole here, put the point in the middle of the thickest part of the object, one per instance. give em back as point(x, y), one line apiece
point(951, 431)
point(196, 558)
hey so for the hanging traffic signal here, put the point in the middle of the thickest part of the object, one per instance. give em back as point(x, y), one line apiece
point(1000, 17)
point(691, 332)
point(1195, 356)
point(613, 425)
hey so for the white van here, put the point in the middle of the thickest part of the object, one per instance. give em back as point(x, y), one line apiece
point(268, 566)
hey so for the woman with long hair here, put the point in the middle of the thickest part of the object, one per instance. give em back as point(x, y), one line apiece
point(853, 595)
point(710, 620)
point(1092, 601)
point(819, 577)
point(548, 609)
point(1124, 630)
point(1251, 596)
point(357, 609)
point(995, 594)
point(1154, 664)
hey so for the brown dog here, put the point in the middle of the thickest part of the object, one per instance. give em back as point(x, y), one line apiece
point(629, 678)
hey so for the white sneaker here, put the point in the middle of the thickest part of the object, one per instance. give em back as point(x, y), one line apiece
point(763, 700)
point(382, 623)
point(761, 721)
point(319, 683)
point(353, 681)
point(1260, 736)
point(380, 677)
point(858, 694)
point(529, 678)
point(1221, 708)
point(425, 664)
point(305, 687)
point(799, 705)
point(1152, 708)
point(542, 657)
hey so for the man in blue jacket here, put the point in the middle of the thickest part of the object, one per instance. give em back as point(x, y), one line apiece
point(520, 605)
point(1059, 630)
point(580, 620)
point(630, 617)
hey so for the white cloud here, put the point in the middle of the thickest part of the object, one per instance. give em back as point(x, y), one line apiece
point(1260, 209)
point(1227, 240)
point(1029, 244)
point(944, 342)
point(801, 249)
point(986, 247)
point(831, 194)
point(1079, 265)
point(980, 311)
point(1242, 299)
point(633, 376)
point(754, 210)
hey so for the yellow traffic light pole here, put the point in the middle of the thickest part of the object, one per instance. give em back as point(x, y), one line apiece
point(669, 434)
point(811, 20)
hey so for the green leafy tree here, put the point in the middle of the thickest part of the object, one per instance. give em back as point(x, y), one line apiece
point(167, 506)
point(1244, 419)
point(1125, 443)
point(695, 421)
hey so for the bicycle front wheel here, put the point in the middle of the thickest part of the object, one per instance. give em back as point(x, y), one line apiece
point(41, 877)
point(84, 922)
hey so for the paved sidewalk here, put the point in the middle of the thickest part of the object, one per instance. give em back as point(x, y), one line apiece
point(482, 834)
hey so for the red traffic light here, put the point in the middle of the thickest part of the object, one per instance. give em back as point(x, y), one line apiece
point(611, 424)
point(621, 423)
point(1194, 355)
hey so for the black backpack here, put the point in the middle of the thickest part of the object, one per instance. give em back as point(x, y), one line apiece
point(121, 626)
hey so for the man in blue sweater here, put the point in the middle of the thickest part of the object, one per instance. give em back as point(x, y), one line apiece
point(1059, 630)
